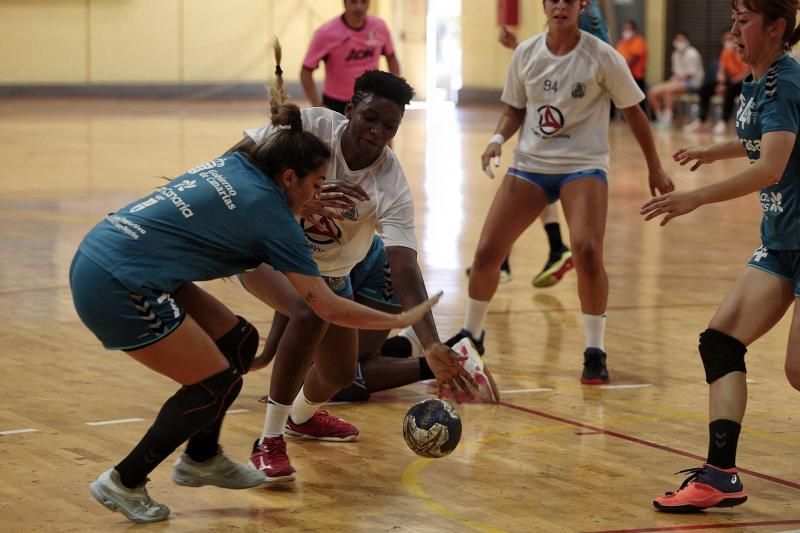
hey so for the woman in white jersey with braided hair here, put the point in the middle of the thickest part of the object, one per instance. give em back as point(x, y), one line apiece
point(559, 89)
point(356, 265)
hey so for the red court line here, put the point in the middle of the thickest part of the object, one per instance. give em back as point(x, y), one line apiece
point(635, 440)
point(704, 526)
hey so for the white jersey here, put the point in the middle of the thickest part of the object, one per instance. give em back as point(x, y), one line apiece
point(338, 245)
point(567, 100)
point(689, 65)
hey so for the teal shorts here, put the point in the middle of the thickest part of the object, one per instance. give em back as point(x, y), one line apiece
point(119, 318)
point(780, 263)
point(370, 279)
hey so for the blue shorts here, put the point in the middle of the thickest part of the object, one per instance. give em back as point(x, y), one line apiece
point(370, 279)
point(551, 183)
point(780, 263)
point(121, 319)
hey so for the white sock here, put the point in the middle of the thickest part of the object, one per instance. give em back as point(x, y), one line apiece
point(595, 328)
point(476, 315)
point(302, 409)
point(275, 419)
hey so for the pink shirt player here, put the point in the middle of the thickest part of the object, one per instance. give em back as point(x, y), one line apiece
point(347, 53)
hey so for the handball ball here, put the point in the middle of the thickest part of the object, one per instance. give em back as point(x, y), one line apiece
point(432, 428)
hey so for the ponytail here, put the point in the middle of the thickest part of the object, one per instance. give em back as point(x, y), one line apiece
point(290, 147)
point(793, 39)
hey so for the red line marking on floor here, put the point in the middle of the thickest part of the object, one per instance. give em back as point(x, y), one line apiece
point(704, 526)
point(635, 440)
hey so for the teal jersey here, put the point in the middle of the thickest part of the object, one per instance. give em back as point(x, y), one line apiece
point(220, 218)
point(773, 104)
point(591, 21)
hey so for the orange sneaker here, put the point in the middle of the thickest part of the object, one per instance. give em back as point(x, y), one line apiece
point(706, 487)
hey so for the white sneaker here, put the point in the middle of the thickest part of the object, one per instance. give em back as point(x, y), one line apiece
point(416, 344)
point(720, 128)
point(135, 504)
point(218, 471)
point(487, 390)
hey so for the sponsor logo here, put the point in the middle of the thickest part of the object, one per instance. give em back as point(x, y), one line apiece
point(186, 184)
point(551, 120)
point(578, 90)
point(751, 145)
point(351, 214)
point(358, 55)
point(771, 202)
point(325, 231)
point(208, 165)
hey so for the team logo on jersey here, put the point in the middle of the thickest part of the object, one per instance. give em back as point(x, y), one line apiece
point(325, 231)
point(578, 90)
point(351, 214)
point(551, 119)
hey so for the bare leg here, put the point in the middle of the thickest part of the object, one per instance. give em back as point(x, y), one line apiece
point(585, 204)
point(516, 205)
point(753, 290)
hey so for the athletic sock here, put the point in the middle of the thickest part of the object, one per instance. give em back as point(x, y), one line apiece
point(275, 419)
point(144, 458)
point(723, 437)
point(553, 230)
point(302, 409)
point(595, 328)
point(476, 315)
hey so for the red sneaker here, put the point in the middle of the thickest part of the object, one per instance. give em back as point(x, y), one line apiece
point(323, 426)
point(706, 487)
point(269, 457)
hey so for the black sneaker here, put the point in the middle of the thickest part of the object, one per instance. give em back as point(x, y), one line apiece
point(357, 391)
point(558, 263)
point(464, 334)
point(594, 367)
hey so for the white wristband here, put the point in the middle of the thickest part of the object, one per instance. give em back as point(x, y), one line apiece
point(497, 139)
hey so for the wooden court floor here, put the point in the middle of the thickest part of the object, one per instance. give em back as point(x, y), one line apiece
point(553, 456)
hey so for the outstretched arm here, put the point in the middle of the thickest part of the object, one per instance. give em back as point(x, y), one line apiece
point(410, 289)
point(776, 148)
point(349, 314)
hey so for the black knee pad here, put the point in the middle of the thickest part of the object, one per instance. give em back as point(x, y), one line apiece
point(196, 406)
point(239, 345)
point(721, 354)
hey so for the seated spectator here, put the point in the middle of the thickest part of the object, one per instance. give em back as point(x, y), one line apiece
point(633, 48)
point(687, 76)
point(731, 72)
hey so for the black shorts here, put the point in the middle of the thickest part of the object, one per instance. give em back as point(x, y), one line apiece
point(334, 104)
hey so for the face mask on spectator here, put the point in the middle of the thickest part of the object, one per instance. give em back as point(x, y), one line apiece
point(730, 44)
point(680, 45)
point(627, 34)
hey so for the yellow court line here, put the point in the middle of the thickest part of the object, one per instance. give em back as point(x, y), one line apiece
point(410, 479)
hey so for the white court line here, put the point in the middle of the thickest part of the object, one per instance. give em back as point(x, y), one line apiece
point(234, 411)
point(120, 421)
point(636, 386)
point(15, 431)
point(520, 391)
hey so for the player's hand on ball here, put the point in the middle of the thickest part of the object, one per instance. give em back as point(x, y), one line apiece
point(660, 183)
point(450, 373)
point(699, 156)
point(672, 205)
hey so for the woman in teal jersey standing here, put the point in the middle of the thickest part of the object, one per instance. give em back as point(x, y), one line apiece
point(767, 125)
